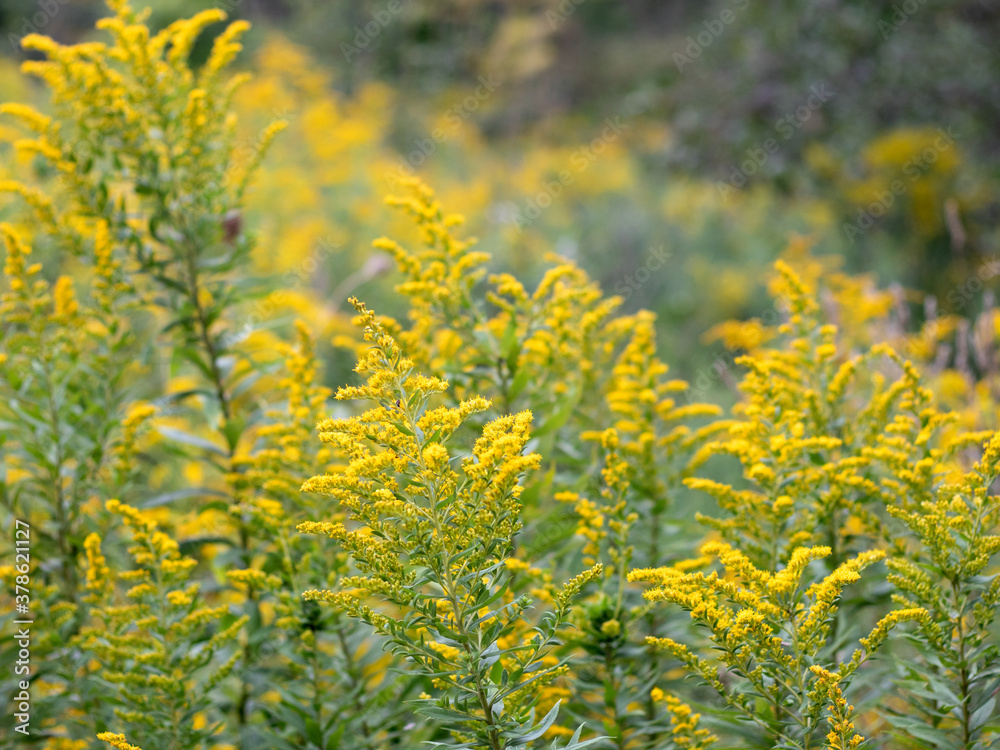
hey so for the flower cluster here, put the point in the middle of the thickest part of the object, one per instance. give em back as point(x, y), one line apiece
point(771, 633)
point(812, 438)
point(509, 437)
point(952, 541)
point(162, 646)
point(432, 542)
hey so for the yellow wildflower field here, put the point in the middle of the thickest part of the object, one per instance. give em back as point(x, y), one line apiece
point(458, 499)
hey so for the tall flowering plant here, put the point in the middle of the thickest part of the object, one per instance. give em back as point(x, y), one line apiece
point(431, 531)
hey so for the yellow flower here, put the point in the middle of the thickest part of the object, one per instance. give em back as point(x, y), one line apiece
point(98, 573)
point(117, 741)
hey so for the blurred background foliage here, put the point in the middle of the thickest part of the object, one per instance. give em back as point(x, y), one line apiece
point(672, 149)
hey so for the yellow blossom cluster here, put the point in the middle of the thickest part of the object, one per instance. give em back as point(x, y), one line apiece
point(769, 630)
point(157, 646)
point(555, 343)
point(186, 631)
point(435, 541)
point(849, 461)
point(684, 730)
point(117, 741)
point(842, 735)
point(124, 87)
point(816, 456)
point(395, 490)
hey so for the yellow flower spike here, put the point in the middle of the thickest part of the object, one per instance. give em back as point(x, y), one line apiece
point(410, 509)
point(117, 741)
point(764, 627)
point(31, 146)
point(39, 43)
point(64, 298)
point(435, 455)
point(264, 142)
point(684, 729)
point(611, 628)
point(15, 265)
point(761, 474)
point(98, 573)
point(224, 49)
point(129, 515)
point(183, 33)
point(248, 578)
point(877, 637)
point(181, 565)
point(806, 468)
point(179, 598)
point(736, 563)
point(34, 197)
point(786, 580)
point(609, 439)
point(141, 591)
point(29, 115)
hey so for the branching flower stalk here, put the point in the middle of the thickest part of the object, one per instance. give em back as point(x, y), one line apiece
point(63, 380)
point(771, 635)
point(158, 646)
point(146, 145)
point(432, 542)
point(956, 538)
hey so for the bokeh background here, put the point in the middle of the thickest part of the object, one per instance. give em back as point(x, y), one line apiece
point(672, 149)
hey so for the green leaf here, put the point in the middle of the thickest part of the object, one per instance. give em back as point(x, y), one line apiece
point(232, 430)
point(169, 497)
point(188, 439)
point(982, 715)
point(433, 711)
point(518, 384)
point(560, 415)
point(313, 732)
point(539, 730)
point(575, 743)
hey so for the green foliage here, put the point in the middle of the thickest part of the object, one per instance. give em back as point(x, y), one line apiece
point(191, 529)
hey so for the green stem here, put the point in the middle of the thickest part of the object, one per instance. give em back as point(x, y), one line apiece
point(353, 676)
point(205, 336)
point(963, 670)
point(611, 698)
point(448, 584)
point(63, 523)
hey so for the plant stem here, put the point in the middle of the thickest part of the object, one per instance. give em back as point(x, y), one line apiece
point(612, 704)
point(448, 584)
point(963, 670)
point(204, 334)
point(67, 552)
point(355, 680)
